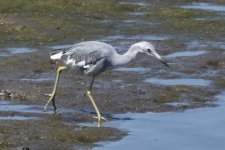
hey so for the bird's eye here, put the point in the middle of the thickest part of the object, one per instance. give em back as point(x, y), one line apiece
point(148, 50)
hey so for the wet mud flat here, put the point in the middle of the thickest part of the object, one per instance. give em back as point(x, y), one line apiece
point(131, 88)
point(195, 78)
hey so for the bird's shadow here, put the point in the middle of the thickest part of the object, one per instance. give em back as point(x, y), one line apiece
point(105, 115)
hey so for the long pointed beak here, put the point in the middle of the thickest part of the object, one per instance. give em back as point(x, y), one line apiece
point(160, 58)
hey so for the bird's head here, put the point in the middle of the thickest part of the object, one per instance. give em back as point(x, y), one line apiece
point(149, 49)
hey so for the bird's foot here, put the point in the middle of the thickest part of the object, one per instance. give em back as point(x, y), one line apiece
point(51, 98)
point(100, 118)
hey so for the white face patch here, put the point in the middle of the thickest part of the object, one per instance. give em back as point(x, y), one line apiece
point(56, 56)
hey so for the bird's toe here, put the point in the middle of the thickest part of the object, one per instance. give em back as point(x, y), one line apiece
point(100, 118)
point(48, 95)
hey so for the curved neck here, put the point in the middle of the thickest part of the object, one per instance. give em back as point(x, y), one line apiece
point(125, 58)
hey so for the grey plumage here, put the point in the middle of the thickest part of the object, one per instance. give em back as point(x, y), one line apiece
point(90, 57)
point(93, 57)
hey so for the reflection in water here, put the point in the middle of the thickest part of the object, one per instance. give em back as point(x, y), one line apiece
point(192, 129)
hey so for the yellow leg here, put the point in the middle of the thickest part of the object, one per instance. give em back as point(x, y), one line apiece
point(99, 117)
point(52, 95)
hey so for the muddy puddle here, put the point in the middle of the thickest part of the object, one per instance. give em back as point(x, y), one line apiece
point(145, 102)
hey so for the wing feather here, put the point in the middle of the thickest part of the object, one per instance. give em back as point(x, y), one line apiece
point(86, 54)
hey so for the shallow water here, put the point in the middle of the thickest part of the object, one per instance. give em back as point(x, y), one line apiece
point(8, 107)
point(178, 104)
point(185, 54)
point(187, 82)
point(136, 37)
point(172, 130)
point(15, 50)
point(18, 118)
point(134, 3)
point(149, 37)
point(205, 6)
point(39, 78)
point(139, 70)
point(60, 46)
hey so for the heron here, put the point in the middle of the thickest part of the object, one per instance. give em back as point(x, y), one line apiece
point(92, 58)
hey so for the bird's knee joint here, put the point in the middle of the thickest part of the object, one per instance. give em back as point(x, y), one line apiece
point(61, 68)
point(88, 92)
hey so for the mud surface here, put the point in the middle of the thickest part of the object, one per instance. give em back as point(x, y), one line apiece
point(189, 35)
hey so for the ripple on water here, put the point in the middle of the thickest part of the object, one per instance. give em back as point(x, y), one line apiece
point(135, 23)
point(10, 107)
point(134, 3)
point(187, 82)
point(139, 70)
point(205, 6)
point(175, 104)
point(39, 77)
point(149, 37)
point(61, 46)
point(6, 106)
point(221, 98)
point(206, 44)
point(15, 50)
point(201, 128)
point(18, 118)
point(112, 38)
point(185, 54)
point(138, 13)
point(136, 37)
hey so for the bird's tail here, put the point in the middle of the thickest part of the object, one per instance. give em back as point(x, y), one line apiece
point(56, 54)
point(55, 51)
